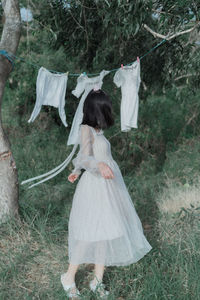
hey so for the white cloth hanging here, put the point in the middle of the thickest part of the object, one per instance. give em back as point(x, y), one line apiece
point(84, 85)
point(50, 90)
point(128, 78)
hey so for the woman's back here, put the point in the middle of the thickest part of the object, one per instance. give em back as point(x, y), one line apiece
point(100, 145)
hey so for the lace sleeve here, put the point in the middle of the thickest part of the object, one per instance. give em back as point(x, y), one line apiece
point(85, 158)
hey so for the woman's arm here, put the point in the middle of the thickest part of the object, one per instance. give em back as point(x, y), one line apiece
point(85, 158)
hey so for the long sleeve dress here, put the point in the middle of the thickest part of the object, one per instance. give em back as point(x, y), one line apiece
point(103, 224)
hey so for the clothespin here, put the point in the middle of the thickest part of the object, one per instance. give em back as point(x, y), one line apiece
point(138, 59)
point(122, 66)
point(67, 73)
point(84, 73)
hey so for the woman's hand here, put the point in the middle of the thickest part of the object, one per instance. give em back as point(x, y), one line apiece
point(72, 177)
point(105, 170)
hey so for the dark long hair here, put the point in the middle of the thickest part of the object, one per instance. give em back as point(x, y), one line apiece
point(97, 110)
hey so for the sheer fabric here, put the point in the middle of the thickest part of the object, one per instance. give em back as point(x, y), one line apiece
point(103, 224)
point(85, 158)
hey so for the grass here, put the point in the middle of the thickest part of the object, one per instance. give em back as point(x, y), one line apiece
point(34, 248)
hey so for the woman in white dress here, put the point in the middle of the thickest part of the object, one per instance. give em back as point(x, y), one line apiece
point(104, 228)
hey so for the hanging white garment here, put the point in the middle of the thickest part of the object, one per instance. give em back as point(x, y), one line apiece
point(128, 78)
point(50, 90)
point(84, 85)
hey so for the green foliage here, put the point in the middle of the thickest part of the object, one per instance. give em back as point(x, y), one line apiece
point(89, 36)
point(104, 34)
point(79, 36)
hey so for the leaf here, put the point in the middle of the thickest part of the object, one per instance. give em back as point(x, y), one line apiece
point(136, 30)
point(107, 3)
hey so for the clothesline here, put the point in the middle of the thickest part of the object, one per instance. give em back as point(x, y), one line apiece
point(12, 57)
point(51, 88)
point(127, 78)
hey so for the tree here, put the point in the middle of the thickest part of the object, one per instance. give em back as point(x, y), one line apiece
point(8, 172)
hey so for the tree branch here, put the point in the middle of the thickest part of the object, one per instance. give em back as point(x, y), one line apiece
point(184, 76)
point(169, 37)
point(162, 12)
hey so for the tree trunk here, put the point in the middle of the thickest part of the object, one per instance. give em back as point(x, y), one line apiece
point(8, 172)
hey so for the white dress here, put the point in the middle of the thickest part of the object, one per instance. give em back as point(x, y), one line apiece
point(103, 224)
point(129, 80)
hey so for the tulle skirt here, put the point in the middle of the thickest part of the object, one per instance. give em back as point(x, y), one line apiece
point(104, 227)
